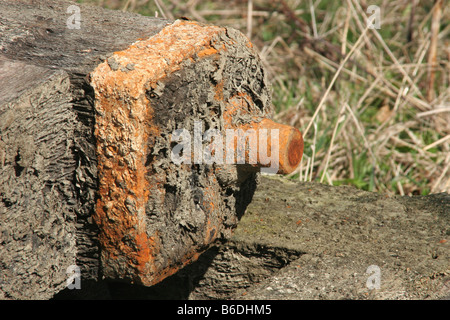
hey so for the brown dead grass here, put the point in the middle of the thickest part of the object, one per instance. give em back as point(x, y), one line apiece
point(373, 104)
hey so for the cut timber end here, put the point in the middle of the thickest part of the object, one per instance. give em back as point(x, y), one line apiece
point(156, 216)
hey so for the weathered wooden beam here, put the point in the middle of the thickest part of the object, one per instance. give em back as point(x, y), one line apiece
point(89, 130)
point(37, 217)
point(306, 240)
point(45, 63)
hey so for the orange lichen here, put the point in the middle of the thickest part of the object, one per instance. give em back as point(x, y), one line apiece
point(206, 52)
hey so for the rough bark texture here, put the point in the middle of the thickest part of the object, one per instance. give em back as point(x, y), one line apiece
point(48, 163)
point(37, 204)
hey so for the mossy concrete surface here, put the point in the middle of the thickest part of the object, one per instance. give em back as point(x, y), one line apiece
point(340, 233)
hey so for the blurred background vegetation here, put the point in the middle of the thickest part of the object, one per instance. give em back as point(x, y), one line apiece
point(373, 103)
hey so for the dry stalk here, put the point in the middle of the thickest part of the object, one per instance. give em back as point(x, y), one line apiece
point(435, 23)
point(341, 118)
point(357, 43)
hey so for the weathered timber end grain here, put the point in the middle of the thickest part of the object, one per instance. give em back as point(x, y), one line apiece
point(156, 216)
point(37, 217)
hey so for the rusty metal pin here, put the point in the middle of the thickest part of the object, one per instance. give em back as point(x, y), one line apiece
point(288, 142)
point(288, 145)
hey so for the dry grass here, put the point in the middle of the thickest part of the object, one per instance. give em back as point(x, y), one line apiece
point(373, 104)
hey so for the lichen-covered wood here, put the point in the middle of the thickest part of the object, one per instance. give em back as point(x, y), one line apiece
point(155, 215)
point(87, 115)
